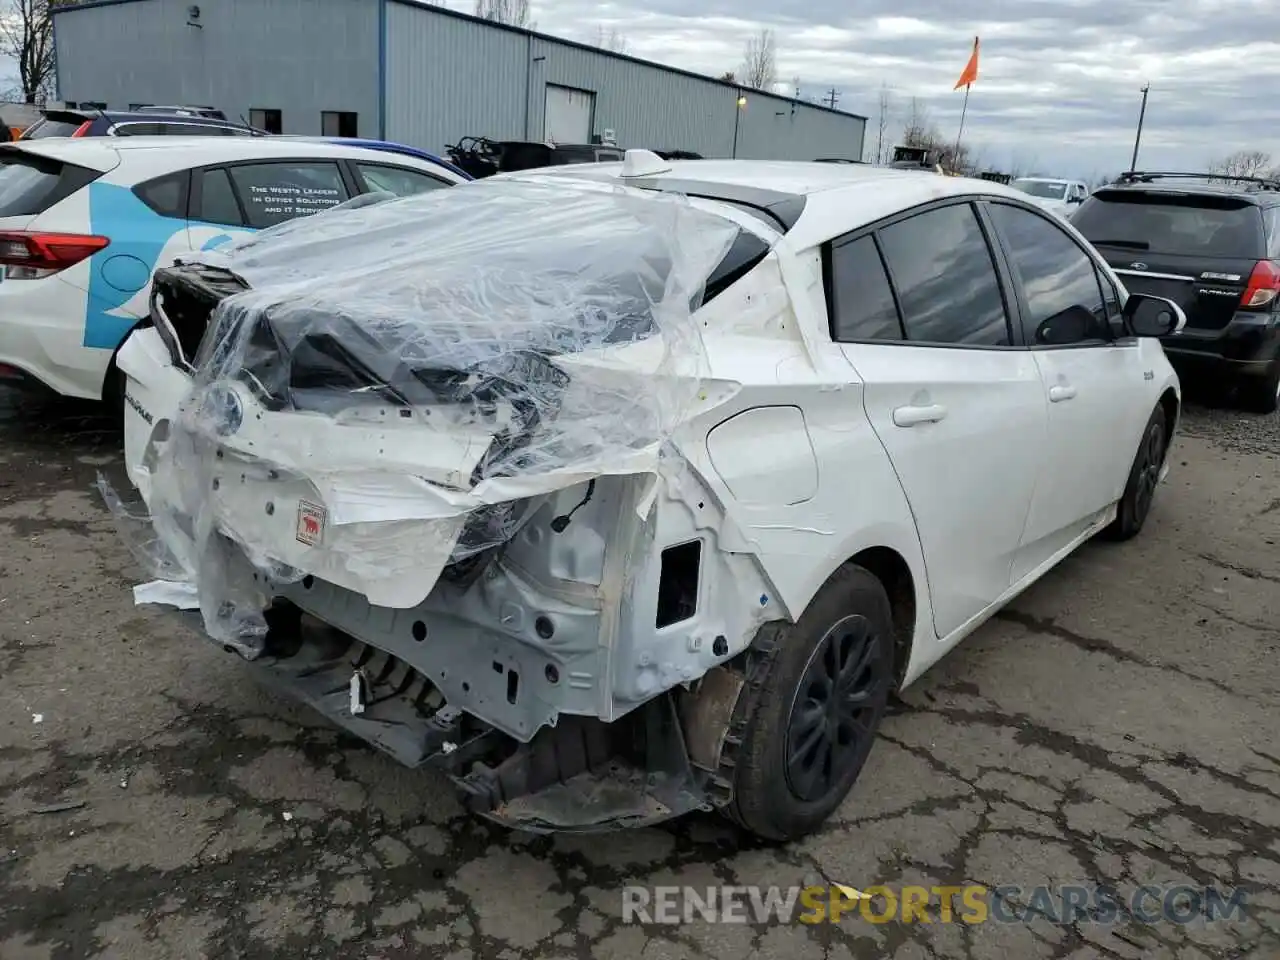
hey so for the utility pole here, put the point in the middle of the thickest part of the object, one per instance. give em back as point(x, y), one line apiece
point(833, 95)
point(1142, 113)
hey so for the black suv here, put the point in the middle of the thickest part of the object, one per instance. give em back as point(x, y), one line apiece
point(1212, 245)
point(482, 157)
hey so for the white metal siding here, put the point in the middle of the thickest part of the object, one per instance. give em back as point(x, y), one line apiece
point(448, 77)
point(568, 115)
point(299, 56)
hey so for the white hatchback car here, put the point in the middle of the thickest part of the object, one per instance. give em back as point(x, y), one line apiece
point(630, 489)
point(84, 222)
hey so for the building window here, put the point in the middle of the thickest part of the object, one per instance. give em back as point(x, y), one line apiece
point(338, 123)
point(268, 120)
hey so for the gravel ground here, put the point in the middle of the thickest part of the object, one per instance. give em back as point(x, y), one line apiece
point(1117, 724)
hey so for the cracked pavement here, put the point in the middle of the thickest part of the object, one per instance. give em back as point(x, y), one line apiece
point(1118, 724)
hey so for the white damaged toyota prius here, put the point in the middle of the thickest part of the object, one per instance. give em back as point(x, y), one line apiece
point(619, 491)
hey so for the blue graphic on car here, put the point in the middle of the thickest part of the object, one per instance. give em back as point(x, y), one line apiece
point(120, 275)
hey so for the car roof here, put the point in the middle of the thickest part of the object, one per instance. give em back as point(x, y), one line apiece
point(855, 195)
point(142, 113)
point(380, 146)
point(799, 177)
point(102, 151)
point(1044, 180)
point(1206, 187)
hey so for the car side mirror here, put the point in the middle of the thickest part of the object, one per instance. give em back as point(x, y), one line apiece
point(1076, 199)
point(1149, 316)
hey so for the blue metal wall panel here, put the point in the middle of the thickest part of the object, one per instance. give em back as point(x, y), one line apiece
point(298, 56)
point(442, 77)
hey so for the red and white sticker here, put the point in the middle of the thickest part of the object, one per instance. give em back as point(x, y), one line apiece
point(311, 518)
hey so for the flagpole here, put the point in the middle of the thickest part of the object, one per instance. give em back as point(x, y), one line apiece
point(955, 156)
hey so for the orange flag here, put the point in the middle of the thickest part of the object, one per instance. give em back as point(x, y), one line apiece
point(970, 73)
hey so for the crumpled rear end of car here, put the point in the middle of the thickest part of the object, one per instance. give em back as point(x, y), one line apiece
point(441, 426)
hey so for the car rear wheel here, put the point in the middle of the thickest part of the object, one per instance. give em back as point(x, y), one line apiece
point(824, 682)
point(1144, 477)
point(1262, 395)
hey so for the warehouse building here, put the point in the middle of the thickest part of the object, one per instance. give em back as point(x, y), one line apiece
point(419, 74)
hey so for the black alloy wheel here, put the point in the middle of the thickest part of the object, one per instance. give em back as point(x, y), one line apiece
point(817, 690)
point(832, 716)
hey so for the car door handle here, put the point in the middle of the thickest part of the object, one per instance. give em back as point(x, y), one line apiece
point(1059, 393)
point(910, 416)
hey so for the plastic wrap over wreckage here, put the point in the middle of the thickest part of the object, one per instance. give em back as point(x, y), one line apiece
point(404, 379)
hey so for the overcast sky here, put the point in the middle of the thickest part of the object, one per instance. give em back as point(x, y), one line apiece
point(1059, 83)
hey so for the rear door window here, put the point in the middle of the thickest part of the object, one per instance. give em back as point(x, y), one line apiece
point(218, 202)
point(862, 305)
point(397, 180)
point(947, 285)
point(172, 130)
point(30, 185)
point(1172, 223)
point(272, 193)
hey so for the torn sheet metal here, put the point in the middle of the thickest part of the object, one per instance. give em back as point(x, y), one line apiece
point(404, 380)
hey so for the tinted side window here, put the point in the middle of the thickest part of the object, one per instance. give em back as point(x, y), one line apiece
point(275, 192)
point(218, 199)
point(397, 180)
point(862, 306)
point(1064, 300)
point(946, 280)
point(31, 184)
point(47, 127)
point(167, 195)
point(1271, 220)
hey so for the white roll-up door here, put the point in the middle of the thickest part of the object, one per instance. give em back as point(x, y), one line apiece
point(568, 115)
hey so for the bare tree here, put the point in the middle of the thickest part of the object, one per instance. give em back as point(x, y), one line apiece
point(611, 39)
point(1023, 164)
point(26, 35)
point(515, 13)
point(1242, 163)
point(882, 122)
point(760, 61)
point(918, 126)
point(920, 131)
point(729, 76)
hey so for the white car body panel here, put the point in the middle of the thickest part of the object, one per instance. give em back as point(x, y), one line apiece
point(63, 330)
point(977, 504)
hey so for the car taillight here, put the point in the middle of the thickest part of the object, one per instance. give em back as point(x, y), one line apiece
point(29, 256)
point(1264, 285)
point(83, 129)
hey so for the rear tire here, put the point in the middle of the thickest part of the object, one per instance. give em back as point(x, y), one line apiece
point(1144, 477)
point(1262, 395)
point(826, 684)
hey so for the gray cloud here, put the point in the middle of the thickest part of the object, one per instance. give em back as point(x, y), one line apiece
point(1059, 81)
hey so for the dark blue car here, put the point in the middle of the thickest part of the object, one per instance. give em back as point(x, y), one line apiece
point(81, 122)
